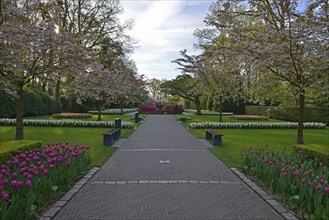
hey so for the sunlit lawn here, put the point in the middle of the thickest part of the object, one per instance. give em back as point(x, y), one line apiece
point(215, 118)
point(235, 139)
point(83, 136)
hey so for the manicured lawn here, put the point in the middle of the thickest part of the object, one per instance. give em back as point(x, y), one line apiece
point(235, 139)
point(215, 118)
point(83, 136)
point(105, 117)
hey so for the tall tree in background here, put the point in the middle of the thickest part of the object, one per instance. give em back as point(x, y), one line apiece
point(30, 46)
point(154, 86)
point(97, 23)
point(281, 38)
point(186, 87)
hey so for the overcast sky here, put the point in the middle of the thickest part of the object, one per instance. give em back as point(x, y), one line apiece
point(163, 28)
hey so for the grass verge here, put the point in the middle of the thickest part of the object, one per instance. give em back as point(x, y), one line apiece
point(235, 139)
point(83, 136)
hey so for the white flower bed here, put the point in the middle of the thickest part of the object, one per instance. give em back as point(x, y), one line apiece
point(65, 123)
point(214, 125)
point(115, 111)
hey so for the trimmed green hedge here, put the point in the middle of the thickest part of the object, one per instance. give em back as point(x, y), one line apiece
point(314, 152)
point(11, 148)
point(35, 103)
point(312, 114)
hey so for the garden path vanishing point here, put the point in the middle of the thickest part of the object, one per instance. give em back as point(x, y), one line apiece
point(163, 172)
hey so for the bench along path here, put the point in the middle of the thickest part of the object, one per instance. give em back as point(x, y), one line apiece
point(163, 172)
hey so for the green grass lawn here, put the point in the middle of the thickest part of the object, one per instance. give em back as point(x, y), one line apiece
point(215, 118)
point(235, 139)
point(105, 117)
point(82, 136)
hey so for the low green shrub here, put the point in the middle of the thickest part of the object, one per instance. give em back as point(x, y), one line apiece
point(312, 114)
point(11, 148)
point(315, 152)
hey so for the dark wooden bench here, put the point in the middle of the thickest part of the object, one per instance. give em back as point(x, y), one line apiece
point(183, 119)
point(217, 137)
point(113, 134)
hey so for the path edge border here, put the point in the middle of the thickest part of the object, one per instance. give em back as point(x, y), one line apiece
point(269, 199)
point(59, 204)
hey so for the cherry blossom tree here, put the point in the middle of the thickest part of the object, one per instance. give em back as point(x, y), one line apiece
point(29, 43)
point(285, 39)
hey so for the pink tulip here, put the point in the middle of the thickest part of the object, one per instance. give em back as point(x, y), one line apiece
point(309, 184)
point(51, 167)
point(4, 182)
point(28, 184)
point(318, 187)
point(5, 196)
point(302, 180)
point(45, 172)
point(14, 184)
point(326, 190)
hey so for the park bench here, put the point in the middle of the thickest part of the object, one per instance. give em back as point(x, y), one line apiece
point(217, 137)
point(113, 134)
point(182, 119)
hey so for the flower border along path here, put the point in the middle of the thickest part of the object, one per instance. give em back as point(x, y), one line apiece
point(163, 172)
point(52, 211)
point(272, 202)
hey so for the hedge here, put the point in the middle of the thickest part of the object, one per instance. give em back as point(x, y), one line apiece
point(35, 103)
point(11, 148)
point(312, 114)
point(314, 152)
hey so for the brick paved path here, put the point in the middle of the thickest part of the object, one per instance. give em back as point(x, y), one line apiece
point(163, 172)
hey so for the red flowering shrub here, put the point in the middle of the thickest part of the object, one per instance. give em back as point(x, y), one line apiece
point(173, 109)
point(147, 107)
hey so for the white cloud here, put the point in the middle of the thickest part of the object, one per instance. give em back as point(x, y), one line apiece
point(163, 28)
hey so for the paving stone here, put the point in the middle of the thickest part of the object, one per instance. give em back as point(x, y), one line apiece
point(289, 216)
point(60, 203)
point(195, 185)
point(272, 202)
point(51, 212)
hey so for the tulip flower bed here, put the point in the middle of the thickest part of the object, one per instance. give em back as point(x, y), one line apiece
point(247, 125)
point(115, 111)
point(302, 184)
point(30, 179)
point(65, 123)
point(72, 116)
point(249, 117)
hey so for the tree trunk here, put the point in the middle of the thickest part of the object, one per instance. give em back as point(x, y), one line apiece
point(121, 107)
point(301, 117)
point(19, 111)
point(198, 105)
point(50, 89)
point(70, 103)
point(99, 110)
point(58, 92)
point(220, 108)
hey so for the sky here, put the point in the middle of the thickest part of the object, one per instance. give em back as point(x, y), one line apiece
point(162, 29)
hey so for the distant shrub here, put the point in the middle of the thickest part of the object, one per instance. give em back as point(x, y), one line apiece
point(173, 109)
point(147, 107)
